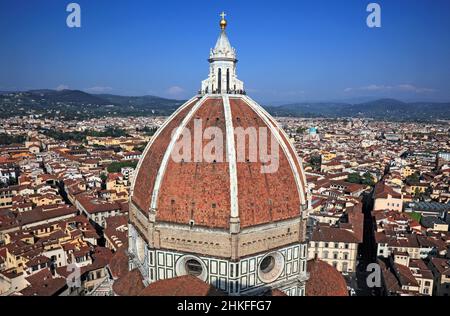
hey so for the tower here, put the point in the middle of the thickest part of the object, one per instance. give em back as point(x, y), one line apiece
point(222, 70)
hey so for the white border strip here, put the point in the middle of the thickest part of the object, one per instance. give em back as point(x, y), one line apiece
point(299, 160)
point(255, 107)
point(167, 154)
point(231, 155)
point(154, 137)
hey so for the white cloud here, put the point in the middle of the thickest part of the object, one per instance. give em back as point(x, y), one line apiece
point(62, 87)
point(175, 91)
point(408, 87)
point(99, 89)
point(396, 88)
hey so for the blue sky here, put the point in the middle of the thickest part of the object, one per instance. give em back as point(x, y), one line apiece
point(288, 50)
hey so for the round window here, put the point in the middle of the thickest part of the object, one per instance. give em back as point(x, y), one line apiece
point(271, 267)
point(267, 264)
point(193, 267)
point(190, 265)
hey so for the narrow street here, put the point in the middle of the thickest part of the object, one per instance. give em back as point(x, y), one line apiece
point(367, 252)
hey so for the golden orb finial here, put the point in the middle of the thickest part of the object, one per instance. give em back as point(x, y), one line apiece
point(223, 22)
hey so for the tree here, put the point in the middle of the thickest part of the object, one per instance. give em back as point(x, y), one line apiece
point(367, 179)
point(140, 148)
point(417, 193)
point(103, 176)
point(109, 131)
point(413, 179)
point(6, 139)
point(150, 131)
point(301, 130)
point(316, 162)
point(354, 178)
point(415, 216)
point(117, 166)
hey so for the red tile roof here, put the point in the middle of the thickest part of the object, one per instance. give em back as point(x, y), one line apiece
point(181, 286)
point(94, 205)
point(442, 266)
point(119, 263)
point(405, 276)
point(382, 191)
point(130, 284)
point(334, 234)
point(152, 161)
point(44, 283)
point(324, 280)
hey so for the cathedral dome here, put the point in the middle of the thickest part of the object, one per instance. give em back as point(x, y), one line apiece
point(233, 179)
point(220, 191)
point(211, 191)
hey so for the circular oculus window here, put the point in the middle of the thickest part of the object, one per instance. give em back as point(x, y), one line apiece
point(193, 267)
point(271, 267)
point(190, 265)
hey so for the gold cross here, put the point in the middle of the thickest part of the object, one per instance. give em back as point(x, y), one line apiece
point(223, 15)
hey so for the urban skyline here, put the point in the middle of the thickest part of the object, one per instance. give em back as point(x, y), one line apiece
point(106, 195)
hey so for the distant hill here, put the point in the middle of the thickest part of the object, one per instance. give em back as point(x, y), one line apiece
point(322, 109)
point(75, 104)
point(143, 102)
point(68, 96)
point(383, 109)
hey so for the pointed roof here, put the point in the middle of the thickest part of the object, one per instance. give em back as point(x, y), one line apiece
point(223, 48)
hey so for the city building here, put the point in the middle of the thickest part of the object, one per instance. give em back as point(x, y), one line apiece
point(386, 198)
point(441, 271)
